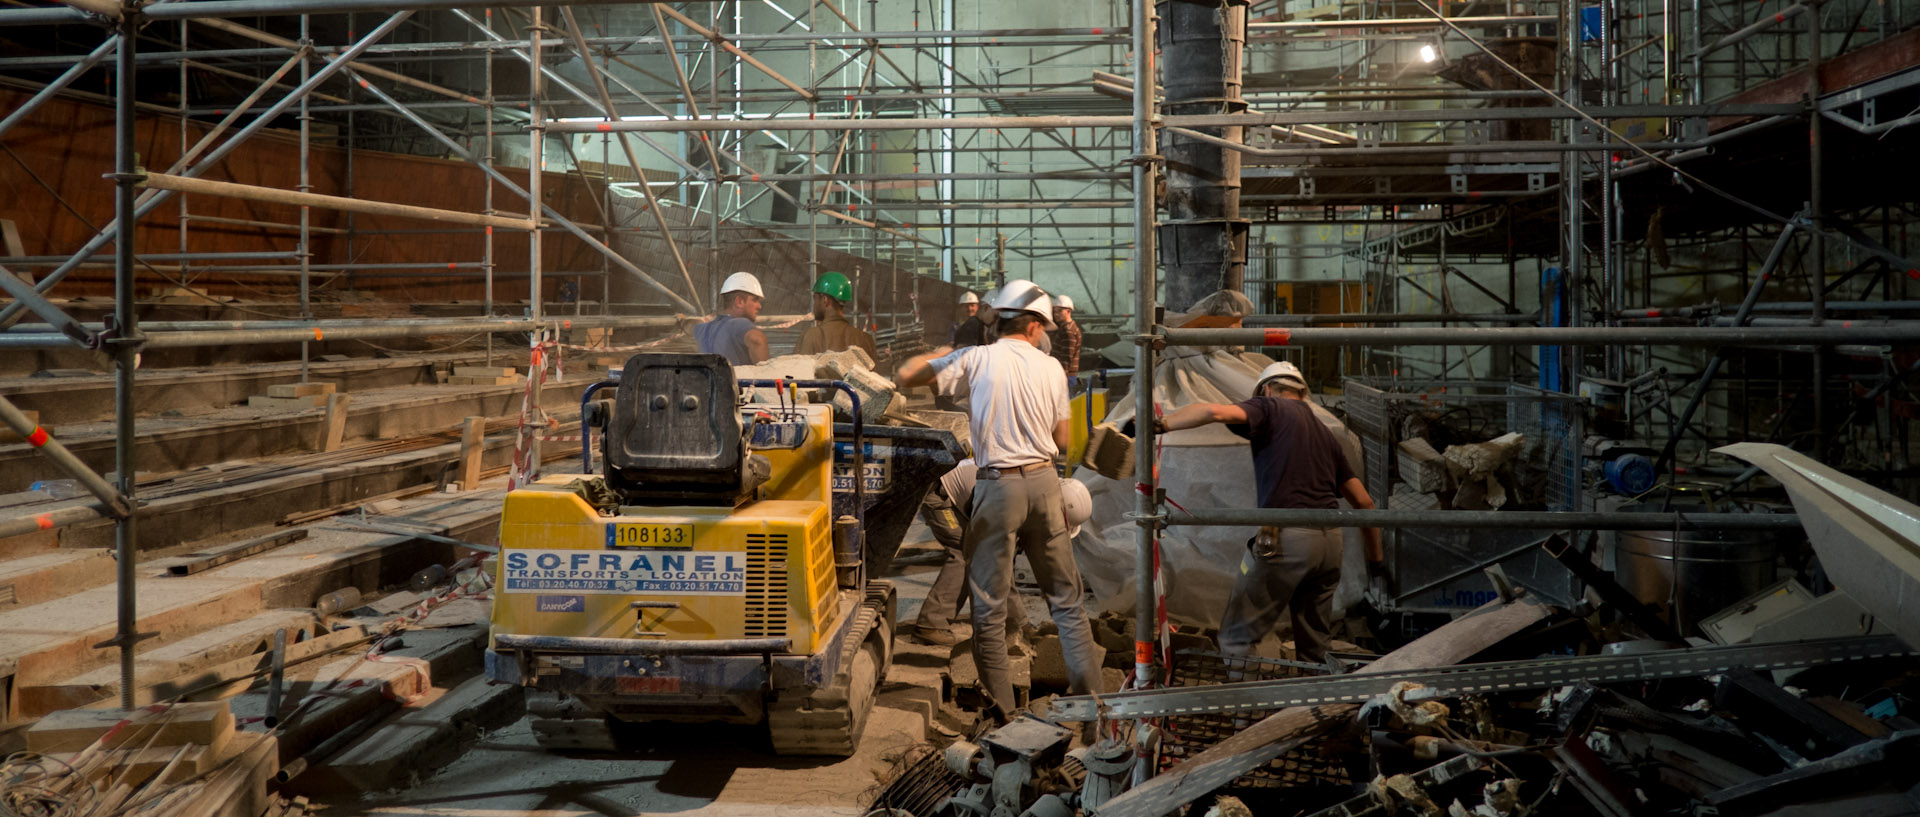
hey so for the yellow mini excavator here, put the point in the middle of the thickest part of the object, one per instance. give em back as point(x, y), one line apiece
point(716, 568)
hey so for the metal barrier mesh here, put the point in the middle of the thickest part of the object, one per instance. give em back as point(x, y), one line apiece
point(1188, 735)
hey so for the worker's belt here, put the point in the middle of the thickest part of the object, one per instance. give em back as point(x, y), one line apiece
point(1017, 470)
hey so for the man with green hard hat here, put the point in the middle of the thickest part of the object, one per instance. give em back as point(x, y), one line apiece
point(831, 332)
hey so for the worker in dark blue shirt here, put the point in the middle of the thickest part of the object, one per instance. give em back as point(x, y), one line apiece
point(1296, 464)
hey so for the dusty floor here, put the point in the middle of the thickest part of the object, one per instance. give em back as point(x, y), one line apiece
point(711, 770)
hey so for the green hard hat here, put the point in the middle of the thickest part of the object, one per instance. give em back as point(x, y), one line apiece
point(835, 286)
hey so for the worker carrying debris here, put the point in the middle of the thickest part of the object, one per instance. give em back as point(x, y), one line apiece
point(831, 331)
point(1296, 464)
point(1018, 420)
point(731, 333)
point(1066, 338)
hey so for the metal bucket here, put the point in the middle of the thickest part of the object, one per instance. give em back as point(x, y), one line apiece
point(1692, 574)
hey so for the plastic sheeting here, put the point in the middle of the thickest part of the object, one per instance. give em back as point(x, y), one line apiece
point(1202, 467)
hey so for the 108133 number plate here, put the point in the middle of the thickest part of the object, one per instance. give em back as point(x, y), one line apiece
point(671, 536)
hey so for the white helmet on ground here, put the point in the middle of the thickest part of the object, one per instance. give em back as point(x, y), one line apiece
point(1063, 302)
point(1285, 371)
point(742, 282)
point(1022, 296)
point(968, 298)
point(1077, 502)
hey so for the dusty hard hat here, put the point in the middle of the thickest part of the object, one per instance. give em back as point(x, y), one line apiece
point(1063, 302)
point(1284, 370)
point(968, 298)
point(1022, 296)
point(835, 286)
point(1077, 503)
point(742, 282)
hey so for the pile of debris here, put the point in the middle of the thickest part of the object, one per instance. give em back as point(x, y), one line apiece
point(1517, 708)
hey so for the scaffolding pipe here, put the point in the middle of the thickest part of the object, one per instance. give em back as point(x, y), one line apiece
point(255, 34)
point(123, 340)
point(455, 148)
point(9, 313)
point(60, 83)
point(1146, 499)
point(274, 195)
point(730, 48)
point(1765, 22)
point(38, 437)
point(1404, 22)
point(1481, 520)
point(1828, 335)
point(203, 9)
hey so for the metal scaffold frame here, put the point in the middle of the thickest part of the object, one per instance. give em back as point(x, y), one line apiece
point(1315, 136)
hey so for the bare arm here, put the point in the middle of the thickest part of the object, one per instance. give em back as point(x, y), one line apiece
point(918, 370)
point(1063, 436)
point(1200, 414)
point(1358, 497)
point(757, 346)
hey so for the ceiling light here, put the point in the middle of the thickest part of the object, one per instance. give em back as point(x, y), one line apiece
point(1428, 54)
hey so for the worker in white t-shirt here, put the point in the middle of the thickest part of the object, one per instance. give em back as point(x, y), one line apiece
point(1019, 429)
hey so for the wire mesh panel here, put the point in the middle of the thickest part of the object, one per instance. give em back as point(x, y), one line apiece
point(1441, 569)
point(1188, 735)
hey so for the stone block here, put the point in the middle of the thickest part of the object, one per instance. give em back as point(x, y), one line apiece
point(299, 389)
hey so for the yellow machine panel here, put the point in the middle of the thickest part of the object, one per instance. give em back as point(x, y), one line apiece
point(763, 569)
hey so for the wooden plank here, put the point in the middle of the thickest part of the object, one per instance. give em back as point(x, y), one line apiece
point(71, 730)
point(1289, 729)
point(236, 551)
point(233, 677)
point(484, 371)
point(334, 429)
point(267, 401)
point(299, 389)
point(491, 380)
point(473, 447)
point(10, 241)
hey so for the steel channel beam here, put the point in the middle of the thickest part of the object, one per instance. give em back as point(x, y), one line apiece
point(1466, 679)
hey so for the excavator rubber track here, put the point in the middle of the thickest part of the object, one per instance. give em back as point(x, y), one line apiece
point(829, 721)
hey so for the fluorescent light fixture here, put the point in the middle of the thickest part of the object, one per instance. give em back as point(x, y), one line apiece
point(1428, 54)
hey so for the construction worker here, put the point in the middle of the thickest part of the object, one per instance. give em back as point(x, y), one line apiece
point(831, 332)
point(1066, 339)
point(971, 331)
point(1297, 463)
point(732, 333)
point(947, 509)
point(1019, 429)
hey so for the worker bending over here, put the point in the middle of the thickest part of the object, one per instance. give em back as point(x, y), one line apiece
point(1018, 423)
point(947, 510)
point(731, 333)
point(1296, 464)
point(831, 332)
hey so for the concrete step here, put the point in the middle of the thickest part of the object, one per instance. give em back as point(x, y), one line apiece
point(46, 643)
point(169, 445)
point(420, 739)
point(38, 577)
point(181, 658)
point(66, 400)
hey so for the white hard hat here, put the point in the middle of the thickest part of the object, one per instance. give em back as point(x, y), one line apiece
point(1063, 302)
point(1077, 503)
point(968, 298)
point(1022, 296)
point(1284, 370)
point(742, 282)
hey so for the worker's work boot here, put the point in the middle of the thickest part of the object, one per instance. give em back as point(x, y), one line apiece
point(936, 637)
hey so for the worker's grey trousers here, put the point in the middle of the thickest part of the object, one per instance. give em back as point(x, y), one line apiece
point(1299, 574)
point(946, 597)
point(1024, 511)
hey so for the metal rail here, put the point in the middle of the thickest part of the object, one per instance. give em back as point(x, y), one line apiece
point(1464, 679)
point(1475, 520)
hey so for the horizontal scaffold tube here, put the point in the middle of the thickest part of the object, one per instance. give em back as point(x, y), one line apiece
point(229, 333)
point(274, 195)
